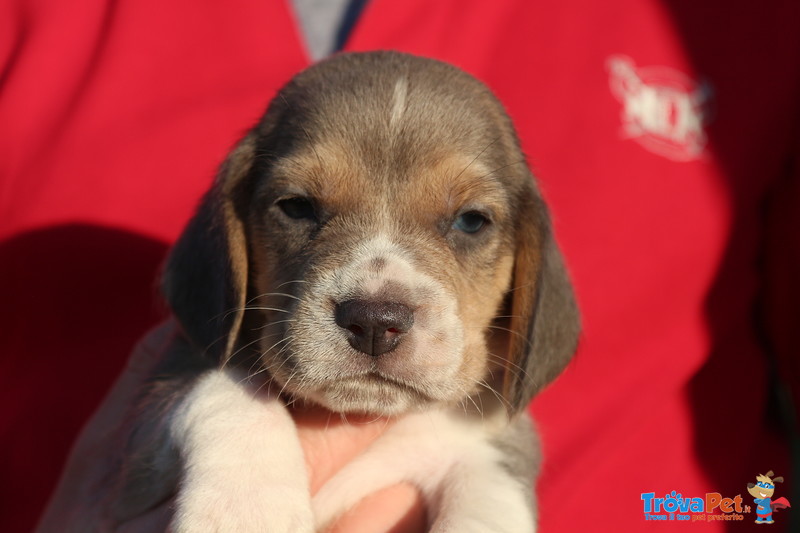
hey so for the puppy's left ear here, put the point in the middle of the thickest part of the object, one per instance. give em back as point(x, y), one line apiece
point(545, 323)
point(205, 277)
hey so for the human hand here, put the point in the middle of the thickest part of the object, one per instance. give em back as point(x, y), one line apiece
point(79, 502)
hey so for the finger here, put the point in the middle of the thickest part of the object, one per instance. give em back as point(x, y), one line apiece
point(397, 509)
point(331, 440)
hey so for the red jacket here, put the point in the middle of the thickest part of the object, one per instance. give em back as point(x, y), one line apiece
point(660, 131)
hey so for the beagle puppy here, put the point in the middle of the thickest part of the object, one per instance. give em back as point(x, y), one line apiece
point(375, 244)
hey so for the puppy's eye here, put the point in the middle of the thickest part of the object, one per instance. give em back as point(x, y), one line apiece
point(298, 208)
point(470, 222)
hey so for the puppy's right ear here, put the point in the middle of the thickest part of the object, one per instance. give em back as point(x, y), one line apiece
point(205, 277)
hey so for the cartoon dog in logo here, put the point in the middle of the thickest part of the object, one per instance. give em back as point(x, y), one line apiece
point(762, 491)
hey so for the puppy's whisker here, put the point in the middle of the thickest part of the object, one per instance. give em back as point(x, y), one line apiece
point(518, 371)
point(263, 367)
point(259, 308)
point(387, 420)
point(503, 167)
point(286, 383)
point(274, 356)
point(469, 397)
point(268, 324)
point(286, 347)
point(269, 336)
point(267, 368)
point(213, 343)
point(474, 159)
point(378, 417)
point(256, 341)
point(267, 383)
point(235, 310)
point(250, 372)
point(496, 394)
point(518, 287)
point(285, 339)
point(516, 333)
point(513, 371)
point(244, 347)
point(291, 281)
point(275, 367)
point(291, 401)
point(266, 294)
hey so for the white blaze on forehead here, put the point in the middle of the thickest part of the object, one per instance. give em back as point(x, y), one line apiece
point(398, 101)
point(395, 265)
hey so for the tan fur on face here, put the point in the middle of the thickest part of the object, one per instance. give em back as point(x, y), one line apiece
point(455, 295)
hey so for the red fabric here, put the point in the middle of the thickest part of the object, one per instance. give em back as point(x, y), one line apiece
point(114, 115)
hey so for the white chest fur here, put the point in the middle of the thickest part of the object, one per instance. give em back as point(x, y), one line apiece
point(243, 468)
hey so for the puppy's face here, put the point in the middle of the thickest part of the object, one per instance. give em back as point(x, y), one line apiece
point(376, 220)
point(379, 274)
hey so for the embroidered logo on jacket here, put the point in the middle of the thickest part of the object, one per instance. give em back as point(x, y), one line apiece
point(663, 110)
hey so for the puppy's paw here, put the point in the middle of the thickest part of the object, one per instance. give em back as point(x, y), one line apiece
point(274, 510)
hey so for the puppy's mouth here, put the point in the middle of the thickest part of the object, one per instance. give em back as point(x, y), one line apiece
point(380, 378)
point(372, 392)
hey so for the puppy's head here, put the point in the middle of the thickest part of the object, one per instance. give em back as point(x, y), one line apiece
point(377, 243)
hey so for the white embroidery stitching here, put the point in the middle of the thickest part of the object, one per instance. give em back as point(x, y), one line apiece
point(664, 110)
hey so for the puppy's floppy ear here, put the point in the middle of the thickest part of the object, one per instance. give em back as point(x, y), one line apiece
point(205, 277)
point(544, 316)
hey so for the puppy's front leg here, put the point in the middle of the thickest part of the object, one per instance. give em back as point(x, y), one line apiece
point(479, 496)
point(474, 479)
point(489, 488)
point(243, 468)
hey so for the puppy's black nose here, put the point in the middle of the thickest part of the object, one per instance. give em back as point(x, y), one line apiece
point(374, 327)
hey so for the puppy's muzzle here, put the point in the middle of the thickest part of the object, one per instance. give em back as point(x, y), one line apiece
point(374, 327)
